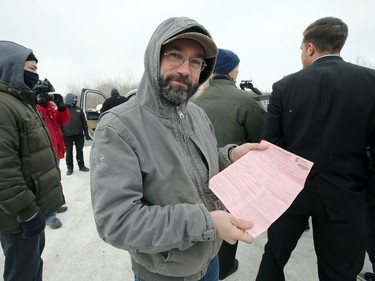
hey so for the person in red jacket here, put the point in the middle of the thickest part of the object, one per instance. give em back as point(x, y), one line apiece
point(53, 111)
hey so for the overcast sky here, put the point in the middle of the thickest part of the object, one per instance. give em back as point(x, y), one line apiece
point(78, 41)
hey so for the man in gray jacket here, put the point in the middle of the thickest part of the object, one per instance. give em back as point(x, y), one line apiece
point(30, 187)
point(151, 161)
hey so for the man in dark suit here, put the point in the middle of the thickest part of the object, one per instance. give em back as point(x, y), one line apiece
point(325, 113)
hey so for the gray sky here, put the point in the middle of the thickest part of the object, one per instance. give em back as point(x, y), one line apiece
point(79, 41)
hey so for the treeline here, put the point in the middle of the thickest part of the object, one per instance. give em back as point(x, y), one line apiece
point(104, 86)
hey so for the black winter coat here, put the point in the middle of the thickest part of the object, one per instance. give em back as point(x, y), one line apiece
point(30, 178)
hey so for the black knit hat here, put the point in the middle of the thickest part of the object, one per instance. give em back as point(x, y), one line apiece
point(114, 92)
point(32, 57)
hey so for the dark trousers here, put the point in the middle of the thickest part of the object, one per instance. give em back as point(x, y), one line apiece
point(227, 255)
point(23, 257)
point(339, 245)
point(370, 233)
point(79, 142)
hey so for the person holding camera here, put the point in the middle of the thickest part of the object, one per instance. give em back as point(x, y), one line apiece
point(53, 110)
point(30, 187)
point(75, 133)
point(237, 117)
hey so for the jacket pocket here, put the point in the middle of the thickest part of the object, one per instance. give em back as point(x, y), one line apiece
point(178, 263)
point(35, 134)
point(33, 185)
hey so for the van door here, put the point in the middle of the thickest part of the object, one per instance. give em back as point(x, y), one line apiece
point(91, 103)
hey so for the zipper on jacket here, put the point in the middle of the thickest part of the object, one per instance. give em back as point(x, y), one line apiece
point(200, 184)
point(179, 112)
point(181, 116)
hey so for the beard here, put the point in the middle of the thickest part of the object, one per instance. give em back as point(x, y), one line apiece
point(176, 96)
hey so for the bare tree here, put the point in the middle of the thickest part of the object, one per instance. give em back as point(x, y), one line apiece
point(104, 86)
point(363, 61)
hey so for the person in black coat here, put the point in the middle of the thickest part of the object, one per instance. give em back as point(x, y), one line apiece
point(370, 235)
point(113, 101)
point(326, 114)
point(75, 133)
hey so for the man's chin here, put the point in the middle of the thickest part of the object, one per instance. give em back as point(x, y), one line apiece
point(176, 92)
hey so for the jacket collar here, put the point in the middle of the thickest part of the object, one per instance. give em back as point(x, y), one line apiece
point(26, 96)
point(328, 58)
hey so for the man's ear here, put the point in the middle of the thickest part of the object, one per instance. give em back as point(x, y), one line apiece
point(311, 49)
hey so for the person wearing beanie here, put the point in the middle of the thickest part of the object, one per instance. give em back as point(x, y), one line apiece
point(30, 178)
point(114, 92)
point(237, 117)
point(226, 62)
point(114, 100)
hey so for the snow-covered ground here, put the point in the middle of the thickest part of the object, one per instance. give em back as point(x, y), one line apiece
point(76, 253)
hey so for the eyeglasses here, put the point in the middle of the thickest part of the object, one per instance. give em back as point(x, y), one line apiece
point(176, 59)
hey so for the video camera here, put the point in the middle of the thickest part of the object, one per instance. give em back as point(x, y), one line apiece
point(247, 84)
point(45, 86)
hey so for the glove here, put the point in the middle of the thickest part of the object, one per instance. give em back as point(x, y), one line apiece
point(58, 100)
point(34, 226)
point(88, 137)
point(42, 99)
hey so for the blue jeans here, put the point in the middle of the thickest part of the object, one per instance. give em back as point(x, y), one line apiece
point(212, 273)
point(51, 217)
point(23, 257)
point(370, 233)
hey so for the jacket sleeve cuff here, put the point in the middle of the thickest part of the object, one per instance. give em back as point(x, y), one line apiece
point(210, 232)
point(224, 157)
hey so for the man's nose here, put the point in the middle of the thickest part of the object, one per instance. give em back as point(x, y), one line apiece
point(184, 68)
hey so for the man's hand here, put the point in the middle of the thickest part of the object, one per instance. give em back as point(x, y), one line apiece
point(88, 138)
point(42, 99)
point(230, 228)
point(59, 101)
point(34, 226)
point(241, 150)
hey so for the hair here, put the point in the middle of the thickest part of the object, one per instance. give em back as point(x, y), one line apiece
point(327, 34)
point(173, 95)
point(203, 88)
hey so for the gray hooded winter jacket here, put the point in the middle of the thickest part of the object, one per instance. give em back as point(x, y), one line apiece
point(30, 178)
point(149, 184)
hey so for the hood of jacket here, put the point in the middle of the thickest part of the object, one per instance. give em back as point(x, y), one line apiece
point(70, 98)
point(12, 63)
point(148, 90)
